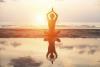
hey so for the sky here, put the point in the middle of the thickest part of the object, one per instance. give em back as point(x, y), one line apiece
point(33, 12)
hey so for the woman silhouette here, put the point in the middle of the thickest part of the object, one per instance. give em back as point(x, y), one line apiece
point(51, 36)
point(52, 18)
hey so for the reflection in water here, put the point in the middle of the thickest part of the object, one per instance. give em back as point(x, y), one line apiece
point(70, 52)
point(51, 54)
point(51, 36)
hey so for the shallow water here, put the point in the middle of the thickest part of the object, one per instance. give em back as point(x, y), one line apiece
point(72, 52)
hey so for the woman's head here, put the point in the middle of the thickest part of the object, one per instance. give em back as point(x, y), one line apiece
point(52, 15)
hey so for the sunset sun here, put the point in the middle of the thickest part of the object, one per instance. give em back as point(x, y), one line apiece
point(40, 19)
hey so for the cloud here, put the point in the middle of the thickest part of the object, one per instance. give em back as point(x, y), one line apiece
point(24, 62)
point(16, 44)
point(81, 52)
point(5, 45)
point(2, 45)
point(0, 65)
point(1, 0)
point(67, 47)
point(98, 61)
point(1, 48)
point(2, 42)
point(89, 49)
point(87, 65)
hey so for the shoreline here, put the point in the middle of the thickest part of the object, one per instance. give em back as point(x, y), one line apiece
point(39, 33)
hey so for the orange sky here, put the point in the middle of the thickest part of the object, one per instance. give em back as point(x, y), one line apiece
point(33, 12)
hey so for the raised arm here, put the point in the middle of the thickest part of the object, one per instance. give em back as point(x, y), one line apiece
point(56, 16)
point(48, 15)
point(52, 15)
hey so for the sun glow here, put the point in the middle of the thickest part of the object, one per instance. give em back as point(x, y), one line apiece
point(40, 9)
point(40, 19)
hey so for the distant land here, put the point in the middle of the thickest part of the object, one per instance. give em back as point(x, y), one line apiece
point(45, 27)
point(39, 33)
